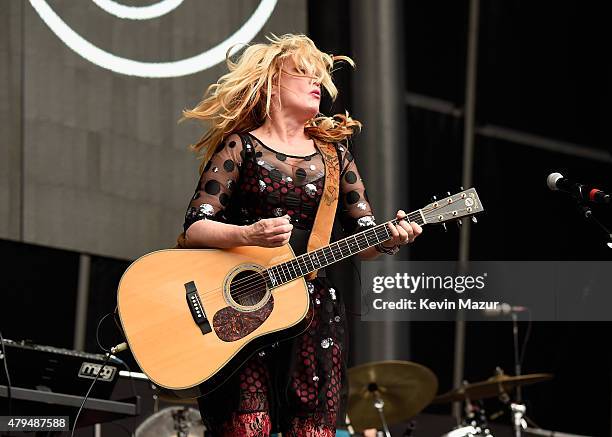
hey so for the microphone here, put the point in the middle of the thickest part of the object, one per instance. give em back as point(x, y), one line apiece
point(557, 182)
point(505, 308)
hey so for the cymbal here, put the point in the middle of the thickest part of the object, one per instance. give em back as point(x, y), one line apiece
point(491, 388)
point(172, 421)
point(405, 387)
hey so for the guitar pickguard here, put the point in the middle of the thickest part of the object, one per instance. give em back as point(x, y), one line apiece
point(231, 325)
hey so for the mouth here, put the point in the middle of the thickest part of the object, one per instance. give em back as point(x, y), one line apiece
point(316, 93)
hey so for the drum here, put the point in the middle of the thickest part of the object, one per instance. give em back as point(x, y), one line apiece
point(464, 431)
point(172, 422)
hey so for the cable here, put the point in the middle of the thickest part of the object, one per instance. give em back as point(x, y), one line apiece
point(8, 376)
point(98, 332)
point(108, 357)
point(109, 350)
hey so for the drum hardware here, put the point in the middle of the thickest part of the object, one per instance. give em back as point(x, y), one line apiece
point(474, 423)
point(549, 433)
point(349, 426)
point(476, 417)
point(463, 431)
point(499, 386)
point(518, 411)
point(387, 392)
point(379, 404)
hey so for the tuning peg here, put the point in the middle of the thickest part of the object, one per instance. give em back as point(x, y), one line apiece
point(474, 219)
point(448, 193)
point(459, 223)
point(444, 227)
point(461, 188)
point(434, 198)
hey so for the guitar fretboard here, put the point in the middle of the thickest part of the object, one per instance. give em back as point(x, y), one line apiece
point(334, 252)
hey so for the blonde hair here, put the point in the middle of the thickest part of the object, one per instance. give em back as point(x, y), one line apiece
point(240, 100)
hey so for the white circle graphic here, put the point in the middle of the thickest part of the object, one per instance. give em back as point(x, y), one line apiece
point(138, 12)
point(129, 67)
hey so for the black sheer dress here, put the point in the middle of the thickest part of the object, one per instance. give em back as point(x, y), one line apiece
point(294, 386)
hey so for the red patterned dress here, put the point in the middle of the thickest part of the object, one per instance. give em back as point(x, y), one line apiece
point(294, 386)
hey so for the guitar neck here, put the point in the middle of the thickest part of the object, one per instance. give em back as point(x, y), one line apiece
point(334, 252)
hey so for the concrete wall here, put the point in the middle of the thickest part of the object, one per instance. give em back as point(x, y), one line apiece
point(92, 160)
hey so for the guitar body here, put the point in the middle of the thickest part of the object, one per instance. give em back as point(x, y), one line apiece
point(241, 314)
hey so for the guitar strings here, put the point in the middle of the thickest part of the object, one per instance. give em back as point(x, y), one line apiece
point(301, 260)
point(245, 285)
point(359, 238)
point(246, 289)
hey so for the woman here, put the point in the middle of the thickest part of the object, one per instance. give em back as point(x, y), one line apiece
point(261, 182)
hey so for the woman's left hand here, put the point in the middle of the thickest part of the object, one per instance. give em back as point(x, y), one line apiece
point(402, 232)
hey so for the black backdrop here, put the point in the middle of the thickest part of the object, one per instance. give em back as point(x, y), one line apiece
point(542, 70)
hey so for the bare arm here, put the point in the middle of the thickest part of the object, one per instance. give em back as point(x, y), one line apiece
point(209, 233)
point(270, 232)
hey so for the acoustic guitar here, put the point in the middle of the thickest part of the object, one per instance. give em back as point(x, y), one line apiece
point(191, 317)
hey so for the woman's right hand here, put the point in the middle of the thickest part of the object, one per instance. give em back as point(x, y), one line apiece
point(270, 232)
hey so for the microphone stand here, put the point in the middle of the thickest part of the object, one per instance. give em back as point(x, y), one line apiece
point(587, 213)
point(518, 408)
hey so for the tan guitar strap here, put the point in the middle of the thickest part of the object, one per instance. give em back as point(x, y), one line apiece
point(324, 220)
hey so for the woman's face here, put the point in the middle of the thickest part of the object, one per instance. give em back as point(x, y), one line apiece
point(299, 93)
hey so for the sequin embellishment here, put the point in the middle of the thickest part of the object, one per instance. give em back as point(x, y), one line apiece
point(332, 293)
point(310, 189)
point(368, 220)
point(326, 342)
point(207, 209)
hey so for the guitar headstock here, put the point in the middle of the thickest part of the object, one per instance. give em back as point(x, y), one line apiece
point(463, 204)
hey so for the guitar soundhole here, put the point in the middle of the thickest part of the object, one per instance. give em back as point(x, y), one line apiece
point(248, 288)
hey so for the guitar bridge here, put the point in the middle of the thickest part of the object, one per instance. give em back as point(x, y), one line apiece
point(197, 310)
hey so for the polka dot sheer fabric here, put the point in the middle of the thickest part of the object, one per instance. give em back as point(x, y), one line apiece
point(246, 181)
point(294, 386)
